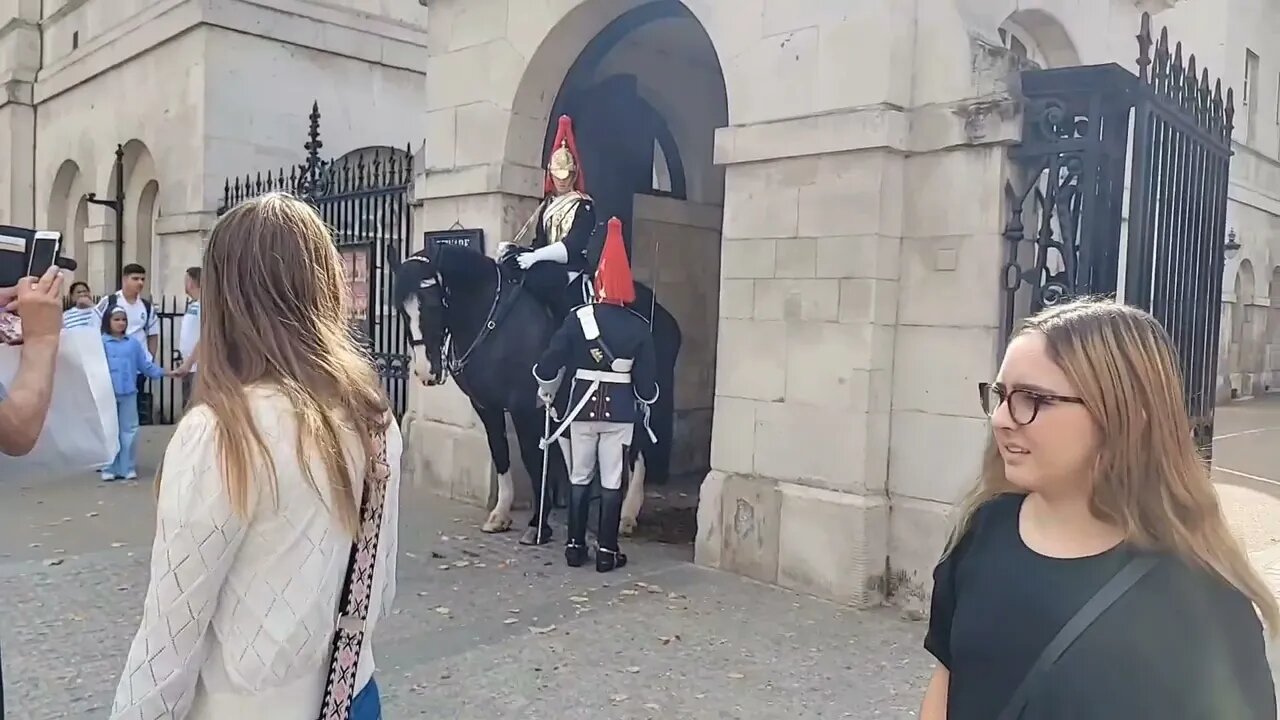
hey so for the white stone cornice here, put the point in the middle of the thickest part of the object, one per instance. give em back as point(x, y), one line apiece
point(320, 27)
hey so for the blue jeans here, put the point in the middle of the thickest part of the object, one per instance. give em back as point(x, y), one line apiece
point(367, 705)
point(127, 416)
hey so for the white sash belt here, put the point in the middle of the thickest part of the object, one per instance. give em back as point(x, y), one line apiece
point(604, 376)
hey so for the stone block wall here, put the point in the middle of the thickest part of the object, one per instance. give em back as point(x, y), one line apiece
point(675, 247)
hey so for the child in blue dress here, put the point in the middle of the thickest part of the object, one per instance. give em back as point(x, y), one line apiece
point(126, 359)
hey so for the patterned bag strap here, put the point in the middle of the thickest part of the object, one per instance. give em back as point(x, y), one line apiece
point(357, 589)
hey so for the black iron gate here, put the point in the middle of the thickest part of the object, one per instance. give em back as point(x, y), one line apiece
point(364, 197)
point(1068, 232)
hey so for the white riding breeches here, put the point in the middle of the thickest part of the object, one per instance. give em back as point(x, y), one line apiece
point(602, 442)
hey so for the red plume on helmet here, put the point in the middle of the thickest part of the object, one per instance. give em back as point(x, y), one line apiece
point(566, 141)
point(614, 283)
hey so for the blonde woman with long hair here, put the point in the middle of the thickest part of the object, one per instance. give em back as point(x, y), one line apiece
point(1093, 575)
point(260, 490)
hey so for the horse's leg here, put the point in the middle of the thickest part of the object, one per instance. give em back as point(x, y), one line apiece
point(495, 430)
point(634, 498)
point(529, 426)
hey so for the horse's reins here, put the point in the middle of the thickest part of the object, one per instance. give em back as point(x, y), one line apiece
point(451, 364)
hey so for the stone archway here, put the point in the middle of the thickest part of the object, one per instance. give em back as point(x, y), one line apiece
point(68, 214)
point(1272, 379)
point(141, 193)
point(647, 95)
point(1037, 37)
point(486, 145)
point(1242, 348)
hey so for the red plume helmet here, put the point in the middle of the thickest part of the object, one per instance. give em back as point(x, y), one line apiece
point(564, 158)
point(614, 283)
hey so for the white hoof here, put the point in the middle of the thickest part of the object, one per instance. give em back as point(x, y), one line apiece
point(627, 527)
point(496, 523)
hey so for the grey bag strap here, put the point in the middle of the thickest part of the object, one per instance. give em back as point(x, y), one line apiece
point(1107, 595)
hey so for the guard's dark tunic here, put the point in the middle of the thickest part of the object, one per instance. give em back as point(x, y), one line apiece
point(578, 238)
point(624, 335)
point(1180, 645)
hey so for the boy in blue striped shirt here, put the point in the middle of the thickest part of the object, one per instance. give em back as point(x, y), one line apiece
point(82, 313)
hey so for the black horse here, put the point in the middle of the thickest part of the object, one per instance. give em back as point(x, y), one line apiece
point(472, 318)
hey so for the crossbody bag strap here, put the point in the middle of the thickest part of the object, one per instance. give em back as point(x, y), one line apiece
point(1107, 595)
point(357, 588)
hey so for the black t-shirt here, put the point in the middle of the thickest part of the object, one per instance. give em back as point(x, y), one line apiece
point(1181, 645)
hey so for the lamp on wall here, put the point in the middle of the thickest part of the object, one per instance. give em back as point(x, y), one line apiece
point(1230, 248)
point(117, 205)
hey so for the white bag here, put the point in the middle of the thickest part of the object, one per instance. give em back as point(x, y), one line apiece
point(81, 432)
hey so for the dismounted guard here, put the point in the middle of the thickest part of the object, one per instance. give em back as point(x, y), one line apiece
point(608, 349)
point(562, 227)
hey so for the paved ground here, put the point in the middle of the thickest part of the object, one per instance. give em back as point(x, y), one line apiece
point(485, 628)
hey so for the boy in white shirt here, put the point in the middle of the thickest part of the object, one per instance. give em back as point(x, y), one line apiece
point(189, 339)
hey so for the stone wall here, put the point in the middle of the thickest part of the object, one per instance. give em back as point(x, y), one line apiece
point(864, 162)
point(195, 92)
point(675, 249)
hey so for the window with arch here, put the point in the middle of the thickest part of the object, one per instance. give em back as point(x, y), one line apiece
point(1018, 41)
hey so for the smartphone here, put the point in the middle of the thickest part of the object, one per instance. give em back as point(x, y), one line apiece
point(43, 252)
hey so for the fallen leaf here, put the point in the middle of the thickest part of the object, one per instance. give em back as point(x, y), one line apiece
point(615, 699)
point(542, 630)
point(735, 676)
point(92, 514)
point(653, 589)
point(462, 563)
point(409, 554)
point(443, 610)
point(578, 599)
point(436, 555)
point(629, 592)
point(652, 707)
point(53, 561)
point(443, 567)
point(117, 544)
point(633, 669)
point(510, 621)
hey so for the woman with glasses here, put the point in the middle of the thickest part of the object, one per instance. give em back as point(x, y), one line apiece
point(1092, 574)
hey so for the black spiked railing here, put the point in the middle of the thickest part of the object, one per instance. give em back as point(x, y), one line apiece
point(1075, 229)
point(364, 198)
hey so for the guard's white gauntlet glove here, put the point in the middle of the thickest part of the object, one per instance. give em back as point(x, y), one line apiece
point(555, 252)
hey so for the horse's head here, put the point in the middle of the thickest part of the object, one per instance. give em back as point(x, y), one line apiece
point(419, 293)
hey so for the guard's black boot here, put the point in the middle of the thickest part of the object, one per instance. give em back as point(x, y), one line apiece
point(575, 550)
point(607, 555)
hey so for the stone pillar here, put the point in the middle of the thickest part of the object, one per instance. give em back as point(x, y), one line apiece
point(19, 63)
point(179, 244)
point(100, 242)
point(809, 272)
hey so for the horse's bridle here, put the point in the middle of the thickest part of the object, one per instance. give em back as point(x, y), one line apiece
point(450, 363)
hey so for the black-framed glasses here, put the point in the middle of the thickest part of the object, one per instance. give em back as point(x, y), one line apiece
point(1024, 405)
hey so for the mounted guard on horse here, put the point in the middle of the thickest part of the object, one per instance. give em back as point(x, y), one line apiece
point(486, 323)
point(556, 268)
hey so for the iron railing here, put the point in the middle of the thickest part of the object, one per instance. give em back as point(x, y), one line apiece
point(1068, 234)
point(364, 198)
